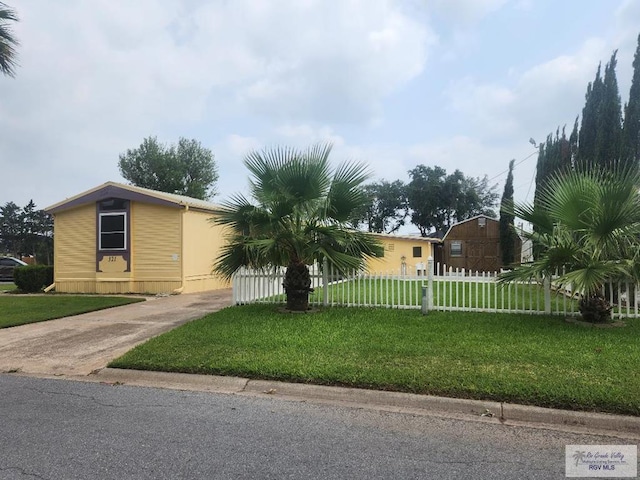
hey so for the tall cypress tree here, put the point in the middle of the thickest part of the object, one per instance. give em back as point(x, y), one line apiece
point(573, 143)
point(631, 129)
point(556, 154)
point(589, 125)
point(600, 133)
point(507, 228)
point(609, 136)
point(542, 174)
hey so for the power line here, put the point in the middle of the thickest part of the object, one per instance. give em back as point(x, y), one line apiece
point(530, 185)
point(514, 165)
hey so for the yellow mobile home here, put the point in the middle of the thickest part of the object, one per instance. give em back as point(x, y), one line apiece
point(403, 254)
point(119, 238)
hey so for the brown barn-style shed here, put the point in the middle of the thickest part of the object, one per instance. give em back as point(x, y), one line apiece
point(474, 244)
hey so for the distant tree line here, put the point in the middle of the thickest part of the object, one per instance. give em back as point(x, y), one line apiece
point(432, 201)
point(26, 231)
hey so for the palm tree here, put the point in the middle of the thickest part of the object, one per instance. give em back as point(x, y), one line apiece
point(7, 41)
point(588, 228)
point(298, 215)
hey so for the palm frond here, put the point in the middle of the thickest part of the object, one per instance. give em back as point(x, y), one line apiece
point(8, 42)
point(588, 222)
point(346, 194)
point(298, 213)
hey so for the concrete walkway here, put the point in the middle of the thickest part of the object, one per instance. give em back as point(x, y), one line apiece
point(83, 343)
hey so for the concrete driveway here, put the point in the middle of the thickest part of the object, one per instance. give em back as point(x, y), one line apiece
point(83, 343)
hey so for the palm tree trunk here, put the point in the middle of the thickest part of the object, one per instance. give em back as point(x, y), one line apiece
point(595, 308)
point(297, 285)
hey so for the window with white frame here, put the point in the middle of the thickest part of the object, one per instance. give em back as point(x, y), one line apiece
point(113, 231)
point(456, 249)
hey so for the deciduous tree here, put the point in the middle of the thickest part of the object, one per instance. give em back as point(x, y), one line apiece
point(184, 169)
point(26, 231)
point(438, 200)
point(387, 207)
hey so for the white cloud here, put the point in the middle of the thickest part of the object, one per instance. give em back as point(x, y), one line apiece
point(332, 67)
point(239, 145)
point(467, 11)
point(476, 158)
point(306, 134)
point(535, 102)
point(97, 77)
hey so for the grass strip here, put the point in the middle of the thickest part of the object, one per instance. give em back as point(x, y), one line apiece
point(22, 309)
point(535, 360)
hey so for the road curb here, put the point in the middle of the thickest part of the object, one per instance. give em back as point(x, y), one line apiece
point(486, 410)
point(569, 418)
point(363, 397)
point(173, 381)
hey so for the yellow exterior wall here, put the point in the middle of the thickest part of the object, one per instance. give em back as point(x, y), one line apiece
point(75, 249)
point(172, 250)
point(397, 247)
point(202, 242)
point(156, 248)
point(171, 244)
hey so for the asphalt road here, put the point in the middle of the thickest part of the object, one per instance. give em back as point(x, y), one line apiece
point(61, 429)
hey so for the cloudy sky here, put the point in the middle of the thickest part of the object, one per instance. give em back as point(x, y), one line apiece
point(456, 83)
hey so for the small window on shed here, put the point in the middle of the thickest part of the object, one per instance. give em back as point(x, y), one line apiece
point(456, 249)
point(417, 252)
point(482, 221)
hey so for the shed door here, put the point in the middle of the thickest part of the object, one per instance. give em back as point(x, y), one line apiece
point(482, 255)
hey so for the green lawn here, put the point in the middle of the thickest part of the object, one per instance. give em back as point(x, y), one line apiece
point(22, 309)
point(447, 294)
point(7, 286)
point(536, 360)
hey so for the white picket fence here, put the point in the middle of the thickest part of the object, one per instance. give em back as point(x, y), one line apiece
point(436, 287)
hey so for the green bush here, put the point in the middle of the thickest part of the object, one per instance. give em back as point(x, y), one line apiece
point(33, 278)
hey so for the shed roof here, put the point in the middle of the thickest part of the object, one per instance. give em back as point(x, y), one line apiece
point(130, 192)
point(468, 220)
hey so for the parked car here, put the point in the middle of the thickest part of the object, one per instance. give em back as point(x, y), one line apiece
point(7, 265)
